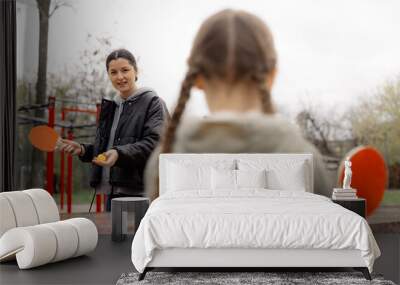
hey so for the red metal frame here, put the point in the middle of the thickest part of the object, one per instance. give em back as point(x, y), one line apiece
point(50, 157)
point(79, 110)
point(62, 165)
point(64, 112)
point(98, 196)
point(98, 203)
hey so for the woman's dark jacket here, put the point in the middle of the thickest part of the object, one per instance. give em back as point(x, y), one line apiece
point(137, 134)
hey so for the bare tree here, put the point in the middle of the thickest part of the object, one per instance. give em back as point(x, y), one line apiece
point(91, 79)
point(46, 10)
point(86, 82)
point(322, 127)
point(314, 130)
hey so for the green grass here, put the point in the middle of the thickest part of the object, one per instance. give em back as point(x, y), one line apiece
point(391, 197)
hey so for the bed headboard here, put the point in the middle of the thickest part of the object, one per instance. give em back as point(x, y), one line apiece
point(217, 158)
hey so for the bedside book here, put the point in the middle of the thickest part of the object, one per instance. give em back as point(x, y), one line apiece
point(334, 197)
point(341, 190)
point(344, 194)
point(345, 191)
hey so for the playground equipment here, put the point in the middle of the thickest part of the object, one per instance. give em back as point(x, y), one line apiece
point(69, 129)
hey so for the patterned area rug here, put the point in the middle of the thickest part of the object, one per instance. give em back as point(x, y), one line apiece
point(242, 278)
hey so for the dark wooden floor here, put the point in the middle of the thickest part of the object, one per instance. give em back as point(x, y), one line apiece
point(102, 266)
point(111, 259)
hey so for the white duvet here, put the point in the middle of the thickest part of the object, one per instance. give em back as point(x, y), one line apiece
point(250, 219)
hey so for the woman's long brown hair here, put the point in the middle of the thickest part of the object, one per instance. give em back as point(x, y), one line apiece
point(233, 46)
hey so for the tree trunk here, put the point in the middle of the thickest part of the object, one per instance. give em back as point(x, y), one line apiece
point(38, 162)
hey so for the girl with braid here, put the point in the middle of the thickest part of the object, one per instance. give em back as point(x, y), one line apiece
point(233, 60)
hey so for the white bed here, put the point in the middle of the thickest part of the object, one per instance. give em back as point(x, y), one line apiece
point(247, 210)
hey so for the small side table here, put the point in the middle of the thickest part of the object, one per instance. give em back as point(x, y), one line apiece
point(119, 214)
point(357, 205)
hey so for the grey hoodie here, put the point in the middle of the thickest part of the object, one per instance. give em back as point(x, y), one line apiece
point(228, 132)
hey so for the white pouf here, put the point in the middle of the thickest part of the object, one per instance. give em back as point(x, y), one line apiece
point(46, 207)
point(33, 246)
point(23, 208)
point(7, 219)
point(67, 240)
point(40, 244)
point(31, 232)
point(87, 234)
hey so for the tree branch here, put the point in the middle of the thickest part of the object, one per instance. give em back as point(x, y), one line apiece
point(58, 5)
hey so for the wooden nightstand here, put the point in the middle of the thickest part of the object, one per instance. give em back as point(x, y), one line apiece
point(356, 205)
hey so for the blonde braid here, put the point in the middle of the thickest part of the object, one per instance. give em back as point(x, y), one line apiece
point(265, 94)
point(169, 135)
point(259, 79)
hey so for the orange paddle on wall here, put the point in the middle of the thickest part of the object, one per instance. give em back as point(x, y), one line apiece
point(44, 138)
point(369, 175)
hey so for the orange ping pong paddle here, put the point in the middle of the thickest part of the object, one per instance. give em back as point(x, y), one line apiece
point(44, 138)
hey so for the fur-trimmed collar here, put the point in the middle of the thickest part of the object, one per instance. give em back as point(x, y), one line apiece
point(239, 132)
point(250, 132)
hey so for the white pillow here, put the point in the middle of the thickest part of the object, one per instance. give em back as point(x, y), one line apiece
point(292, 179)
point(281, 174)
point(223, 179)
point(181, 177)
point(192, 173)
point(226, 179)
point(251, 178)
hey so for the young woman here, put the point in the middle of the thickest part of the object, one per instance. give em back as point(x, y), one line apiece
point(233, 60)
point(128, 131)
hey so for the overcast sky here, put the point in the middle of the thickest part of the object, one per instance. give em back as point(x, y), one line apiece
point(329, 51)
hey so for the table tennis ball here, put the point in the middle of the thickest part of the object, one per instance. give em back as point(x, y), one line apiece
point(101, 157)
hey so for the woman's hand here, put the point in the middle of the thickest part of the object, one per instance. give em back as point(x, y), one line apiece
point(111, 156)
point(70, 147)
